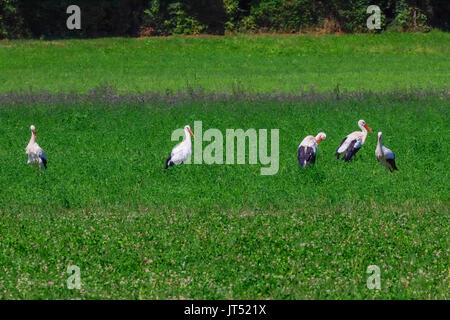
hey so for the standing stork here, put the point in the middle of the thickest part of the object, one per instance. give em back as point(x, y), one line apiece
point(385, 155)
point(353, 142)
point(36, 156)
point(308, 148)
point(181, 151)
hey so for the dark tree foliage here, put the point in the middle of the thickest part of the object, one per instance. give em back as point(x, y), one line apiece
point(11, 20)
point(101, 18)
point(189, 17)
point(210, 13)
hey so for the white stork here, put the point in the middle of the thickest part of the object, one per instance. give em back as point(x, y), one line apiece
point(36, 156)
point(385, 155)
point(353, 142)
point(182, 151)
point(308, 148)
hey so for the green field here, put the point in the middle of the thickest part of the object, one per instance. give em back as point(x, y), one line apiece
point(215, 231)
point(282, 63)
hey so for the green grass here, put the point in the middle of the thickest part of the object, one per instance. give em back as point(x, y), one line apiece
point(264, 63)
point(224, 231)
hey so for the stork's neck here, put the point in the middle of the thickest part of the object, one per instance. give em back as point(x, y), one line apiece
point(187, 138)
point(379, 146)
point(364, 134)
point(33, 138)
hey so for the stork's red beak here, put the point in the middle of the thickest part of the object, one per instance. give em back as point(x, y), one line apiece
point(368, 128)
point(191, 132)
point(318, 140)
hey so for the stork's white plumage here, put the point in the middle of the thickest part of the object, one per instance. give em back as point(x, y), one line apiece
point(353, 142)
point(385, 155)
point(182, 151)
point(36, 156)
point(308, 148)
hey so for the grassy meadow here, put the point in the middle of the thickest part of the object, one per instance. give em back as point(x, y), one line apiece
point(262, 64)
point(214, 231)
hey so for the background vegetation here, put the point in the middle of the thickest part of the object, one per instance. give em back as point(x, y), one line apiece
point(100, 18)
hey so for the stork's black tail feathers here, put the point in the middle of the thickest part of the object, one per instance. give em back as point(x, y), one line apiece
point(44, 161)
point(306, 156)
point(393, 167)
point(168, 162)
point(350, 152)
point(349, 155)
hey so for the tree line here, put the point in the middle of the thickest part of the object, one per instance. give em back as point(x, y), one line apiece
point(102, 18)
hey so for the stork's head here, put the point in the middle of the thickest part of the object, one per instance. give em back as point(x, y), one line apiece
point(321, 136)
point(363, 124)
point(33, 129)
point(188, 129)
